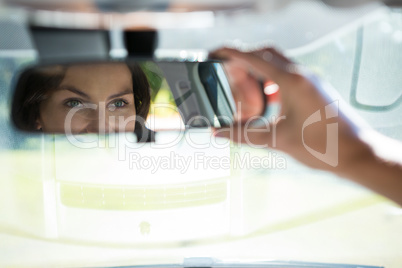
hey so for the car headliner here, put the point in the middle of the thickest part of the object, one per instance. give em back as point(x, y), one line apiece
point(208, 25)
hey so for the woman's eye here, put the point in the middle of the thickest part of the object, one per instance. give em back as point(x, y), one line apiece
point(118, 104)
point(73, 103)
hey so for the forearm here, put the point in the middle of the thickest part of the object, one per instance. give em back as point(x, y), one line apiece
point(379, 168)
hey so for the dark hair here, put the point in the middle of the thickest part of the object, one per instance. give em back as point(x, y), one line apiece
point(34, 84)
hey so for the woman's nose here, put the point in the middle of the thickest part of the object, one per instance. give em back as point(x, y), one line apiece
point(97, 121)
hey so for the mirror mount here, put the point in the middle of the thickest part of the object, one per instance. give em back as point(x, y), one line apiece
point(72, 45)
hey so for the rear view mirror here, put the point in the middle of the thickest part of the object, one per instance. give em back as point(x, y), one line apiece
point(109, 97)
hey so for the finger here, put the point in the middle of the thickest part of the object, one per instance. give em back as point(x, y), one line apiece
point(271, 65)
point(271, 53)
point(268, 63)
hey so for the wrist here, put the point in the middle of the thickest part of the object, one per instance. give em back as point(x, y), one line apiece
point(374, 165)
point(355, 159)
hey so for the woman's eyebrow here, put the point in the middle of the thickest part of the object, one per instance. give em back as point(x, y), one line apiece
point(74, 90)
point(125, 92)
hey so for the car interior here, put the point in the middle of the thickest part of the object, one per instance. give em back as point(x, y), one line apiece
point(136, 177)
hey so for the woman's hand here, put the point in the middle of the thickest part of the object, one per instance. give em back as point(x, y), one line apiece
point(300, 98)
point(314, 126)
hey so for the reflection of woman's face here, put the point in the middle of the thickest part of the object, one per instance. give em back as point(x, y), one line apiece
point(90, 99)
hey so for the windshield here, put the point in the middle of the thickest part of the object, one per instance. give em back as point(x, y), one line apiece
point(97, 206)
